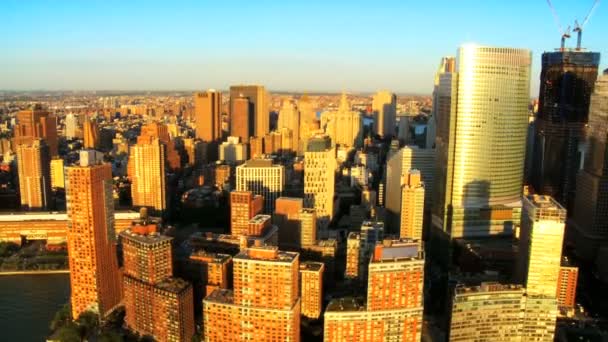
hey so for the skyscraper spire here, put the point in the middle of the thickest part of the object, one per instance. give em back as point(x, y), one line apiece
point(344, 106)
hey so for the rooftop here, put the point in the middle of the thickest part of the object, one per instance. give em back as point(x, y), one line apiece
point(311, 266)
point(221, 296)
point(202, 255)
point(173, 285)
point(347, 304)
point(489, 287)
point(260, 163)
point(260, 218)
point(56, 216)
point(266, 253)
point(146, 238)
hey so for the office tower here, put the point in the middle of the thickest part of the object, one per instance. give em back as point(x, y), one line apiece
point(72, 126)
point(359, 249)
point(216, 269)
point(262, 177)
point(566, 83)
point(33, 165)
point(319, 178)
point(36, 123)
point(265, 303)
point(259, 225)
point(384, 106)
point(196, 151)
point(155, 130)
point(412, 206)
point(244, 205)
point(344, 126)
point(233, 151)
point(590, 214)
point(490, 312)
point(94, 274)
point(566, 286)
point(256, 147)
point(353, 256)
point(311, 288)
point(148, 184)
point(57, 173)
point(308, 122)
point(540, 244)
point(287, 218)
point(156, 304)
point(481, 173)
point(223, 176)
point(308, 227)
point(90, 134)
point(207, 115)
point(242, 119)
point(442, 103)
point(289, 119)
point(539, 318)
point(393, 311)
point(259, 107)
point(406, 159)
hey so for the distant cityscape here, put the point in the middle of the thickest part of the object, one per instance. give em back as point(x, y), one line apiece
point(476, 213)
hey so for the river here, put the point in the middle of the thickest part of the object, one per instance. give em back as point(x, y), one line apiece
point(28, 304)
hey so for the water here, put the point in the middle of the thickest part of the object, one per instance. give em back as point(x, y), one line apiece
point(28, 304)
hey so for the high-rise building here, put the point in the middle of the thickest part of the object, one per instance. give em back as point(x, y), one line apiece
point(359, 249)
point(289, 118)
point(233, 151)
point(590, 209)
point(256, 147)
point(259, 107)
point(308, 122)
point(308, 227)
point(207, 114)
point(540, 244)
point(36, 123)
point(33, 165)
point(412, 206)
point(57, 173)
point(384, 106)
point(566, 286)
point(442, 103)
point(287, 218)
point(216, 270)
point(148, 184)
point(156, 304)
point(242, 119)
point(398, 166)
point(72, 126)
point(566, 83)
point(160, 131)
point(90, 134)
point(244, 205)
point(319, 178)
point(262, 177)
point(94, 275)
point(265, 302)
point(311, 288)
point(344, 126)
point(394, 307)
point(486, 141)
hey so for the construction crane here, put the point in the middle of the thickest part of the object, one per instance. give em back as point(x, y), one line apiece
point(565, 33)
point(579, 28)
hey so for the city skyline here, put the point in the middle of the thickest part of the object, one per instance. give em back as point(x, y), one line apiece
point(360, 46)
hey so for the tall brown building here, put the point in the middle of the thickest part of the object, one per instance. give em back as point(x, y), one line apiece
point(161, 132)
point(216, 269)
point(566, 286)
point(37, 123)
point(147, 173)
point(287, 218)
point(156, 304)
point(311, 288)
point(94, 275)
point(241, 119)
point(265, 303)
point(91, 134)
point(258, 97)
point(33, 164)
point(244, 205)
point(256, 147)
point(207, 113)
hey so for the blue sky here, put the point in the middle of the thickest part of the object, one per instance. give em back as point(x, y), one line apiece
point(286, 45)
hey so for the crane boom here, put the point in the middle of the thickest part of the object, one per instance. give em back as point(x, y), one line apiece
point(579, 27)
point(595, 4)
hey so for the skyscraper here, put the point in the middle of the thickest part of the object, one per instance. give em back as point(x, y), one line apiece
point(148, 184)
point(258, 97)
point(442, 98)
point(265, 302)
point(156, 304)
point(319, 178)
point(308, 122)
point(33, 164)
point(311, 288)
point(590, 213)
point(344, 126)
point(90, 134)
point(482, 174)
point(412, 206)
point(244, 205)
point(540, 244)
point(36, 123)
point(57, 173)
point(393, 311)
point(566, 83)
point(207, 114)
point(94, 276)
point(242, 119)
point(287, 218)
point(72, 126)
point(289, 118)
point(384, 106)
point(262, 177)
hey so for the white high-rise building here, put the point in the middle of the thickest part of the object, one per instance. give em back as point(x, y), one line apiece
point(262, 177)
point(344, 126)
point(319, 178)
point(72, 127)
point(232, 150)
